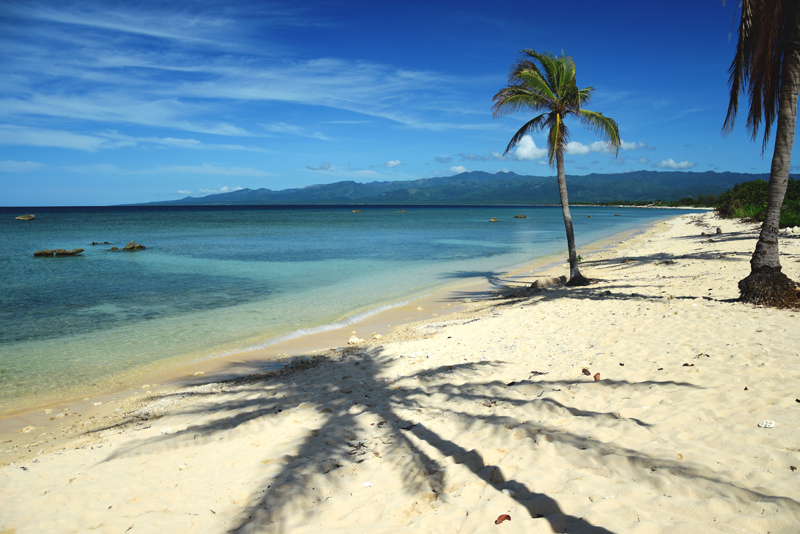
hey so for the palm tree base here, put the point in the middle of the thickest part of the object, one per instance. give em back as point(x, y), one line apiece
point(768, 286)
point(580, 280)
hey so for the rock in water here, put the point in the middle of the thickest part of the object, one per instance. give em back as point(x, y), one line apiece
point(25, 217)
point(493, 219)
point(133, 246)
point(520, 216)
point(58, 252)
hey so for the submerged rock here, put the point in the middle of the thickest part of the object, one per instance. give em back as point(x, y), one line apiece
point(133, 246)
point(25, 217)
point(520, 216)
point(62, 252)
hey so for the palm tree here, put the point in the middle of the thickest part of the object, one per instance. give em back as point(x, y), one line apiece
point(550, 87)
point(767, 67)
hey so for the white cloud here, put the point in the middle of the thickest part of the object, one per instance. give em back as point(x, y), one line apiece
point(576, 148)
point(19, 166)
point(631, 146)
point(184, 192)
point(458, 169)
point(498, 156)
point(393, 163)
point(672, 164)
point(527, 150)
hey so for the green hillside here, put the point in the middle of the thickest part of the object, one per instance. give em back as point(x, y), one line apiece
point(484, 188)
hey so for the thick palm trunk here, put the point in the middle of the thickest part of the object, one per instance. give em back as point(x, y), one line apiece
point(766, 284)
point(575, 276)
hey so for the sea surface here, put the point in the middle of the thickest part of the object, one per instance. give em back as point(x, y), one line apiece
point(219, 280)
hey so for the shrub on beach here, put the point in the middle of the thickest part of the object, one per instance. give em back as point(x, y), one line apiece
point(748, 200)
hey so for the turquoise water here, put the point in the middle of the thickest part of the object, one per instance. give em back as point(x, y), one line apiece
point(221, 280)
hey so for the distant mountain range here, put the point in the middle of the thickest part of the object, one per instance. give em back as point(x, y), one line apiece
point(482, 188)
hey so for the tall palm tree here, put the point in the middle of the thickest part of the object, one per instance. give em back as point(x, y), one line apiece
point(550, 87)
point(767, 67)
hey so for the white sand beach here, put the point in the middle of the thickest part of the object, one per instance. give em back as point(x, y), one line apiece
point(649, 402)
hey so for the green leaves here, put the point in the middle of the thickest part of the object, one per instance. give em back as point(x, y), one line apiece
point(544, 82)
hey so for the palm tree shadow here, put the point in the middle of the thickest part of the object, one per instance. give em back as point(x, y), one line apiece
point(366, 416)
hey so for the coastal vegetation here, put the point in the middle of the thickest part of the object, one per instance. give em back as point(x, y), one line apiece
point(749, 200)
point(545, 82)
point(766, 67)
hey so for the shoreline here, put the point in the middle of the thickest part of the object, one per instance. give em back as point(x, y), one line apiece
point(689, 425)
point(436, 306)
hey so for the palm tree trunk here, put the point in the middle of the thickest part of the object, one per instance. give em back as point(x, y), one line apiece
point(766, 284)
point(575, 276)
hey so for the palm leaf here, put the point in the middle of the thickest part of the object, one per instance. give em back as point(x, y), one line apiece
point(756, 66)
point(535, 124)
point(604, 127)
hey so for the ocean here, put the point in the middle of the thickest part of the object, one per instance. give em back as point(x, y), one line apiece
point(220, 280)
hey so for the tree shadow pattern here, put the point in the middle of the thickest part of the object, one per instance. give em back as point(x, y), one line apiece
point(402, 429)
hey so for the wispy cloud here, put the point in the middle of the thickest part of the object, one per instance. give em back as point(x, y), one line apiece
point(442, 159)
point(292, 129)
point(20, 166)
point(104, 140)
point(40, 137)
point(326, 166)
point(473, 157)
point(211, 170)
point(173, 67)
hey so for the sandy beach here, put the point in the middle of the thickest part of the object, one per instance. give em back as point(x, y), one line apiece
point(649, 402)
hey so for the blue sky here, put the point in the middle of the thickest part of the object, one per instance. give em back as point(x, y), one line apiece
point(120, 102)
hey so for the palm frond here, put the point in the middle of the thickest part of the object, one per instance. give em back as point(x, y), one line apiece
point(534, 124)
point(534, 82)
point(604, 127)
point(757, 63)
point(586, 95)
point(511, 99)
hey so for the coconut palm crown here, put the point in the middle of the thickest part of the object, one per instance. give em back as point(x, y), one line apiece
point(545, 83)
